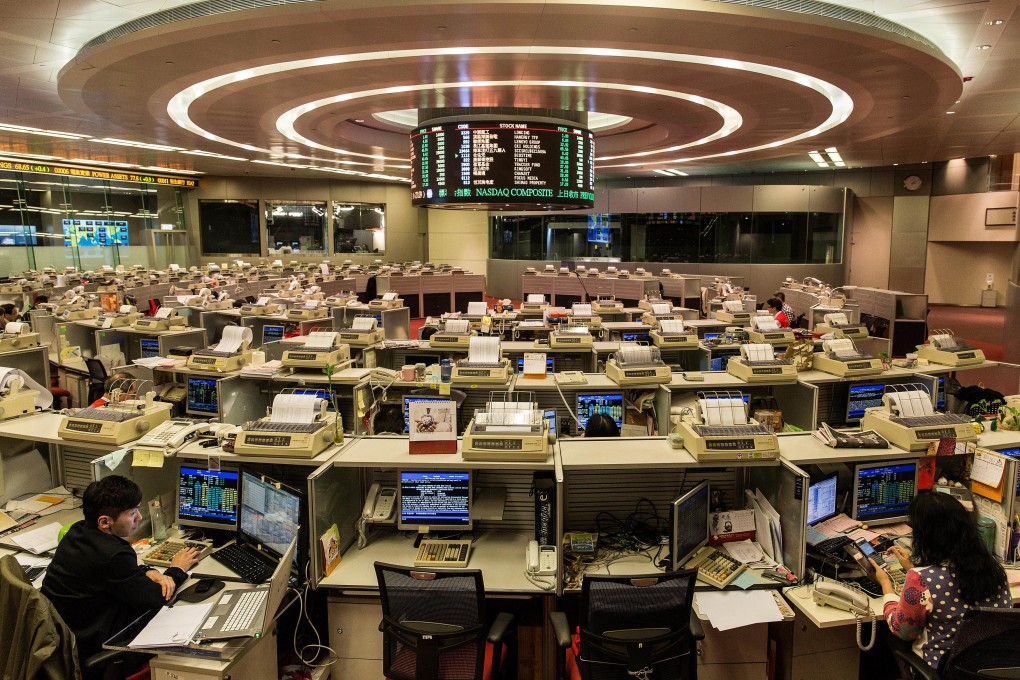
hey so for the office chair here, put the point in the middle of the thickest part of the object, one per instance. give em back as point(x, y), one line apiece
point(434, 625)
point(97, 379)
point(985, 648)
point(632, 627)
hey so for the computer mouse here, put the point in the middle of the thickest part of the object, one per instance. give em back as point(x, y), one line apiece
point(204, 585)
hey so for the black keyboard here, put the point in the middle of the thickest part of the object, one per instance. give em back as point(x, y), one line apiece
point(241, 559)
point(833, 547)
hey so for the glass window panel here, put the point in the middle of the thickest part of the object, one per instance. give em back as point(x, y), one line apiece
point(297, 227)
point(359, 227)
point(229, 227)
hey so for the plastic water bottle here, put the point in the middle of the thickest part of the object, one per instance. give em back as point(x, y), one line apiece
point(445, 371)
point(158, 520)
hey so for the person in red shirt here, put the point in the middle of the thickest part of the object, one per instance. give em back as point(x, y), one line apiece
point(775, 307)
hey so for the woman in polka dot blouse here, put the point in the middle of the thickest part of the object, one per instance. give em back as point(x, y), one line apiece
point(954, 571)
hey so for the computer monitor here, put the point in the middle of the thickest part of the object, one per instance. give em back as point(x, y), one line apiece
point(590, 404)
point(712, 336)
point(271, 334)
point(719, 361)
point(550, 416)
point(427, 359)
point(1013, 453)
point(690, 523)
point(434, 501)
point(635, 337)
point(862, 396)
point(270, 513)
point(407, 408)
point(882, 491)
point(206, 499)
point(149, 347)
point(821, 499)
point(940, 394)
point(550, 365)
point(203, 396)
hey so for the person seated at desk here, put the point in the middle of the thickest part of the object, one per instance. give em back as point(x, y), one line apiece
point(94, 580)
point(10, 313)
point(956, 572)
point(775, 307)
point(787, 309)
point(601, 425)
point(112, 380)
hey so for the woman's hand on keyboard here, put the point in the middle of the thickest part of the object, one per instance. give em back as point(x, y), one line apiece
point(901, 555)
point(185, 559)
point(165, 582)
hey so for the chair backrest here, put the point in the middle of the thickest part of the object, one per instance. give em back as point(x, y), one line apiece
point(37, 643)
point(97, 370)
point(434, 624)
point(986, 646)
point(631, 625)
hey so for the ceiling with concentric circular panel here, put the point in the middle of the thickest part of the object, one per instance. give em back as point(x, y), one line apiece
point(690, 86)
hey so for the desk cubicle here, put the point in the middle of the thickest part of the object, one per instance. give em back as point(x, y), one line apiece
point(503, 513)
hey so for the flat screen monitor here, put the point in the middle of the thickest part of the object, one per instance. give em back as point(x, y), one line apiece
point(203, 396)
point(407, 408)
point(149, 348)
point(207, 499)
point(882, 491)
point(270, 513)
point(1013, 453)
point(940, 395)
point(719, 361)
point(590, 404)
point(712, 336)
point(550, 416)
point(550, 365)
point(862, 396)
point(690, 523)
point(434, 501)
point(821, 499)
point(427, 359)
point(636, 337)
point(271, 334)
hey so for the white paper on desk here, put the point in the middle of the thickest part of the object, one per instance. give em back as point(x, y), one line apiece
point(660, 308)
point(295, 408)
point(774, 525)
point(988, 468)
point(30, 506)
point(862, 535)
point(233, 338)
point(364, 323)
point(728, 609)
point(841, 347)
point(837, 525)
point(389, 296)
point(745, 551)
point(483, 350)
point(262, 301)
point(38, 540)
point(27, 561)
point(765, 323)
point(535, 298)
point(477, 308)
point(319, 340)
point(672, 325)
point(163, 312)
point(149, 362)
point(172, 626)
point(762, 532)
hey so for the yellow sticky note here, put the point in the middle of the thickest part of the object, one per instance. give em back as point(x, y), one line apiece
point(444, 389)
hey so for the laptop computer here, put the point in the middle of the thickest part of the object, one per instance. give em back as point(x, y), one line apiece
point(268, 516)
point(248, 612)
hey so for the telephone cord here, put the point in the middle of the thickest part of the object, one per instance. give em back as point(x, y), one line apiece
point(542, 583)
point(874, 629)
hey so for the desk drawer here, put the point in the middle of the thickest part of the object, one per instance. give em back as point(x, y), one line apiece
point(354, 629)
point(748, 644)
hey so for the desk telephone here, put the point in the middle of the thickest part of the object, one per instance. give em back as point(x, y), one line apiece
point(848, 598)
point(172, 435)
point(380, 504)
point(540, 559)
point(174, 392)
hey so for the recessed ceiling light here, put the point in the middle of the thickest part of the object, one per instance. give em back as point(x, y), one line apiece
point(984, 47)
point(949, 113)
point(995, 22)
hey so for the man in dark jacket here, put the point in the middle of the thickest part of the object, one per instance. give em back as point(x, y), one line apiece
point(95, 581)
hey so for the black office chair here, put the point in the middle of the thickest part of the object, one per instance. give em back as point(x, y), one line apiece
point(434, 625)
point(986, 648)
point(97, 379)
point(632, 626)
